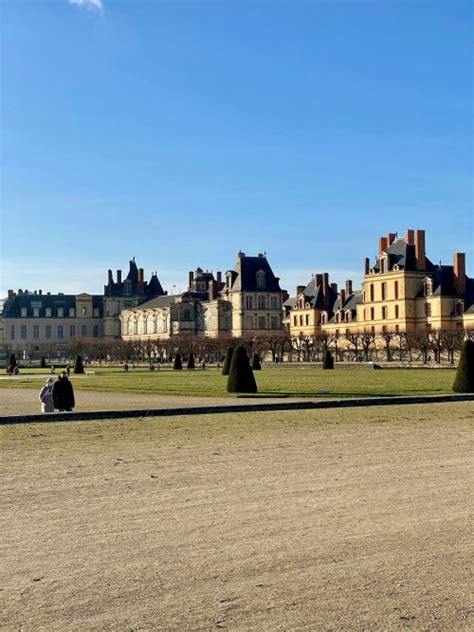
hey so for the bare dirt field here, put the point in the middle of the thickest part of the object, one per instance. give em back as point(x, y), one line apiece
point(315, 520)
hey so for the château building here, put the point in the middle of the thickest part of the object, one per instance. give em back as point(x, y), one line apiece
point(248, 302)
point(31, 320)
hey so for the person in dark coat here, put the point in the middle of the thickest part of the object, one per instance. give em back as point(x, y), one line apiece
point(63, 394)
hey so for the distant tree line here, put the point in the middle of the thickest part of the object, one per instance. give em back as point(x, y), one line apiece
point(422, 346)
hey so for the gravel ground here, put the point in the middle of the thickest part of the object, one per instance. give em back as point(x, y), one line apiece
point(16, 401)
point(314, 520)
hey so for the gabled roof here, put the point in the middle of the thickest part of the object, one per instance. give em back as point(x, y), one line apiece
point(244, 275)
point(350, 303)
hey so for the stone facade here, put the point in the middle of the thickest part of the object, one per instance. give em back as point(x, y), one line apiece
point(248, 302)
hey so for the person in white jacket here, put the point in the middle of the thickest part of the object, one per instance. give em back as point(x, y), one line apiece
point(46, 397)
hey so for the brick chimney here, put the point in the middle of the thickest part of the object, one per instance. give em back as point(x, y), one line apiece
point(299, 289)
point(119, 276)
point(343, 297)
point(11, 295)
point(459, 272)
point(410, 237)
point(334, 287)
point(391, 238)
point(40, 292)
point(190, 280)
point(219, 279)
point(141, 280)
point(319, 279)
point(212, 290)
point(383, 244)
point(326, 289)
point(349, 287)
point(420, 252)
point(110, 280)
point(367, 265)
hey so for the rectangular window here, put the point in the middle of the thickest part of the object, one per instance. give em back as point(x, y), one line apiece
point(372, 313)
point(371, 292)
point(384, 291)
point(47, 332)
point(301, 321)
point(384, 312)
point(295, 322)
point(48, 312)
point(262, 322)
point(249, 302)
point(36, 332)
point(12, 332)
point(95, 331)
point(96, 312)
point(262, 303)
point(60, 332)
point(36, 312)
point(275, 322)
point(72, 331)
point(23, 312)
point(397, 329)
point(274, 302)
point(84, 331)
point(23, 332)
point(72, 312)
point(397, 311)
point(427, 309)
point(60, 312)
point(307, 320)
point(396, 289)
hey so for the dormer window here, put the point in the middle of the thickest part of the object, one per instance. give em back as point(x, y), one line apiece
point(428, 287)
point(23, 312)
point(383, 264)
point(260, 280)
point(127, 286)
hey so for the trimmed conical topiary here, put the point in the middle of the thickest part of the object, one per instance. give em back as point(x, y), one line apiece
point(190, 364)
point(464, 381)
point(78, 366)
point(227, 361)
point(241, 378)
point(256, 366)
point(328, 360)
point(13, 363)
point(43, 362)
point(177, 364)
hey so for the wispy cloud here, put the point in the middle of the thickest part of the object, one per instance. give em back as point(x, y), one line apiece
point(89, 4)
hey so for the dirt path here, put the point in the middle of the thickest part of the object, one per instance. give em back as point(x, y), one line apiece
point(24, 401)
point(316, 520)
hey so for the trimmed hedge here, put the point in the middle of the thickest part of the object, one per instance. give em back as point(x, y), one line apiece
point(328, 360)
point(78, 366)
point(256, 365)
point(190, 364)
point(227, 361)
point(241, 378)
point(177, 364)
point(464, 381)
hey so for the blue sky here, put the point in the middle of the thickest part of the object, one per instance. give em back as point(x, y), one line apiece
point(180, 132)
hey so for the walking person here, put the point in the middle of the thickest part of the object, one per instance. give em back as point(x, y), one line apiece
point(63, 394)
point(46, 397)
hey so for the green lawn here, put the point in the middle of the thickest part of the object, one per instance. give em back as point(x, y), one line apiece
point(302, 382)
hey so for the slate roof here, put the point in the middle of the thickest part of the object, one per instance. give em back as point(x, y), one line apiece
point(244, 275)
point(12, 308)
point(350, 304)
point(313, 295)
point(403, 254)
point(153, 288)
point(154, 303)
